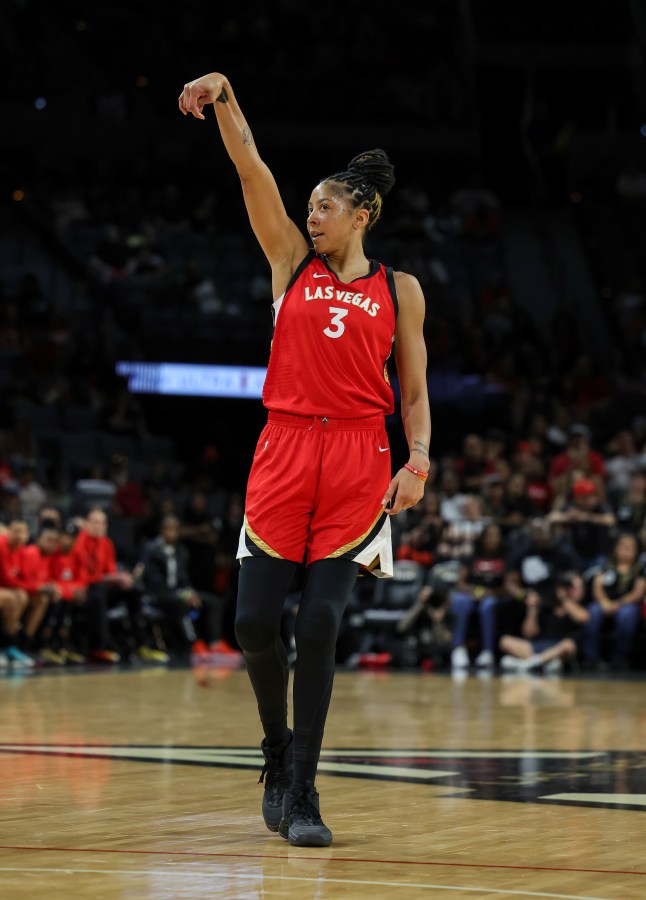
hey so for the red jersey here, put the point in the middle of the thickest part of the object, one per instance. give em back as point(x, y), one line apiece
point(66, 571)
point(95, 557)
point(22, 567)
point(331, 343)
point(36, 568)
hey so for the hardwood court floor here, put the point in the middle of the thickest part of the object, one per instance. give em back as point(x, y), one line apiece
point(143, 784)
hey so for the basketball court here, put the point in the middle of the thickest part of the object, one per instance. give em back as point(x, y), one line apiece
point(143, 783)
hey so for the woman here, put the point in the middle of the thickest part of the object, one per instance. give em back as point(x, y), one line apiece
point(480, 583)
point(550, 632)
point(320, 487)
point(618, 591)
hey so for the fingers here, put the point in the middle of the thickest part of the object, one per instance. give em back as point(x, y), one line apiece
point(403, 491)
point(189, 99)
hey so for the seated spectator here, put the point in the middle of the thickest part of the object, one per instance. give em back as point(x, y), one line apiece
point(621, 463)
point(451, 497)
point(419, 542)
point(43, 592)
point(631, 506)
point(32, 495)
point(587, 522)
point(130, 499)
point(108, 583)
point(459, 536)
point(535, 564)
point(166, 580)
point(67, 574)
point(518, 507)
point(577, 458)
point(200, 535)
point(480, 583)
point(473, 465)
point(551, 630)
point(12, 606)
point(493, 497)
point(617, 591)
point(21, 571)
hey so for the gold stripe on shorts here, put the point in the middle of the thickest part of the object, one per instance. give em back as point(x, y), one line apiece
point(355, 544)
point(258, 541)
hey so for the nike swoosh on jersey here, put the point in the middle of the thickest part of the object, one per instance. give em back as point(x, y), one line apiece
point(320, 275)
point(383, 449)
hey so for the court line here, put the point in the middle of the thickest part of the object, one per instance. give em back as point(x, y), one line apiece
point(329, 859)
point(240, 876)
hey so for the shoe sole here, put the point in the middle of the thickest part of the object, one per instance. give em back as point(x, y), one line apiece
point(272, 821)
point(314, 839)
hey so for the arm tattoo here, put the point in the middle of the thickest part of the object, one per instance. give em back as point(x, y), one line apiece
point(420, 448)
point(246, 137)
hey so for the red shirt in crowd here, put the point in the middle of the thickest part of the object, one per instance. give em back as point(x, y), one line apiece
point(94, 557)
point(23, 567)
point(67, 572)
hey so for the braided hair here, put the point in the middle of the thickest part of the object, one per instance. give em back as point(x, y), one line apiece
point(367, 180)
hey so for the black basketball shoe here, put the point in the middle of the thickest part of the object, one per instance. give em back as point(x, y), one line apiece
point(301, 824)
point(277, 774)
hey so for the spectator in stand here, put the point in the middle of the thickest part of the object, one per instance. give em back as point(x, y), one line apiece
point(49, 515)
point(12, 604)
point(129, 500)
point(68, 575)
point(10, 502)
point(588, 523)
point(519, 509)
point(551, 630)
point(458, 537)
point(533, 566)
point(32, 496)
point(493, 497)
point(200, 536)
point(95, 558)
point(419, 541)
point(21, 570)
point(472, 466)
point(578, 458)
point(618, 591)
point(166, 580)
point(495, 449)
point(631, 508)
point(480, 583)
point(622, 460)
point(37, 569)
point(451, 497)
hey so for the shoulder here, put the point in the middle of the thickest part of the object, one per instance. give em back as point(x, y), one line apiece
point(408, 285)
point(410, 296)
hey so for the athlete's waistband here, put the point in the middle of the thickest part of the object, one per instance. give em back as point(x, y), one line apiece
point(325, 423)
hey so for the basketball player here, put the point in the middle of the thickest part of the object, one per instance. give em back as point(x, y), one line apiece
point(320, 489)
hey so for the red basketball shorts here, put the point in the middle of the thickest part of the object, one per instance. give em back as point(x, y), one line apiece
point(315, 491)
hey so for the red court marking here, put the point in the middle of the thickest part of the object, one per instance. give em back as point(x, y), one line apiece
point(337, 859)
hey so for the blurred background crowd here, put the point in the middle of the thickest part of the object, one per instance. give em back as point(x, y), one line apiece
point(519, 141)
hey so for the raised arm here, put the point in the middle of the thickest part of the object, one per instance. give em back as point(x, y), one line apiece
point(282, 242)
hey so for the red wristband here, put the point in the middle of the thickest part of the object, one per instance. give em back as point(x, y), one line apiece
point(418, 472)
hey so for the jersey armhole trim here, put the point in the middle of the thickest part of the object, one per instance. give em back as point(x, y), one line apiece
point(390, 280)
point(299, 269)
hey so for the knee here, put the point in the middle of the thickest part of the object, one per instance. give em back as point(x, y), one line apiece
point(317, 627)
point(253, 634)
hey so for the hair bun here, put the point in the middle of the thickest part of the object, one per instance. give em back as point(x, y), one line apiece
point(375, 167)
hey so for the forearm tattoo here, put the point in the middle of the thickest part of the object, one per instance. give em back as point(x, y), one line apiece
point(419, 447)
point(246, 137)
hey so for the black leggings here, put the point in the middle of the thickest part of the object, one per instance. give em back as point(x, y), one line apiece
point(262, 588)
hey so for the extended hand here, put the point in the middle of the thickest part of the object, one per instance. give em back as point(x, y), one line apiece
point(197, 94)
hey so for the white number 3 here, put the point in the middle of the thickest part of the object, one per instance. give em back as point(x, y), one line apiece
point(336, 321)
